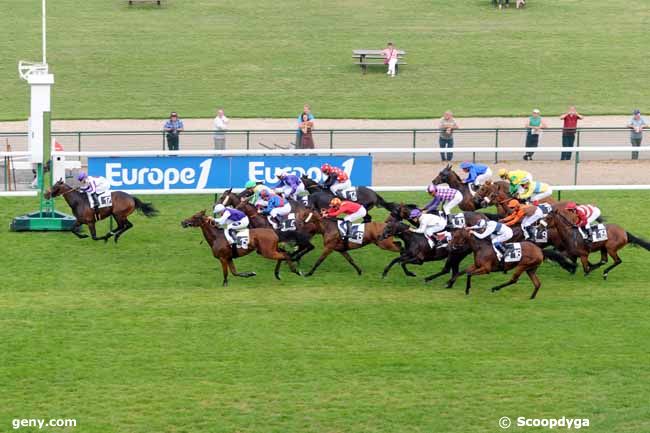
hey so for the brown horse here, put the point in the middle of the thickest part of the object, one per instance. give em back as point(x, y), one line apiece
point(263, 241)
point(470, 202)
point(574, 244)
point(485, 260)
point(229, 198)
point(305, 229)
point(497, 194)
point(332, 240)
point(123, 206)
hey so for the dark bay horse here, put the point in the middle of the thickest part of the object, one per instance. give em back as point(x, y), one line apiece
point(332, 241)
point(123, 206)
point(262, 241)
point(565, 223)
point(449, 176)
point(320, 197)
point(495, 193)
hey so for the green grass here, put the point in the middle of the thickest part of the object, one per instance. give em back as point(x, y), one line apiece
point(265, 59)
point(141, 337)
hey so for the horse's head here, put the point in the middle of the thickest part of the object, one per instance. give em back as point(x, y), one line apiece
point(57, 189)
point(227, 198)
point(459, 239)
point(195, 220)
point(446, 175)
point(310, 184)
point(393, 227)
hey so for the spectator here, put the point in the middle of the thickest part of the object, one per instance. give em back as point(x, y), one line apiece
point(535, 125)
point(220, 125)
point(306, 109)
point(447, 126)
point(173, 127)
point(306, 126)
point(570, 119)
point(521, 3)
point(637, 123)
point(390, 58)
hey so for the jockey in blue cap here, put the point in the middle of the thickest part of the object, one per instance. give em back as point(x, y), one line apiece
point(477, 175)
point(93, 186)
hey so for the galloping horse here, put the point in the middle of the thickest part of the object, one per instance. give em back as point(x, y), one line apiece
point(494, 193)
point(565, 223)
point(485, 260)
point(320, 197)
point(229, 198)
point(123, 206)
point(304, 231)
point(449, 176)
point(332, 241)
point(264, 241)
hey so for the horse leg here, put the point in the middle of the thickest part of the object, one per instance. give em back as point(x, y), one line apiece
point(473, 270)
point(348, 257)
point(391, 264)
point(367, 218)
point(603, 255)
point(413, 260)
point(515, 276)
point(586, 266)
point(532, 274)
point(320, 260)
point(224, 269)
point(617, 261)
point(126, 224)
point(302, 251)
point(76, 230)
point(233, 270)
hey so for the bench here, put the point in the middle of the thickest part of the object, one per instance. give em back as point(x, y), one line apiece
point(375, 57)
point(145, 1)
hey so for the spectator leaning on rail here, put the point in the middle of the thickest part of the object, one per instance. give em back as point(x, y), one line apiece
point(570, 119)
point(477, 175)
point(173, 127)
point(306, 109)
point(220, 126)
point(535, 125)
point(446, 140)
point(637, 123)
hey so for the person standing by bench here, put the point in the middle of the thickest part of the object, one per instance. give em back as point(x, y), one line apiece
point(390, 58)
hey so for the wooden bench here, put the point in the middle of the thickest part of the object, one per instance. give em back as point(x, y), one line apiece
point(375, 57)
point(158, 2)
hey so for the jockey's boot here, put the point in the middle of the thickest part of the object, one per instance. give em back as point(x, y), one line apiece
point(588, 232)
point(529, 233)
point(502, 250)
point(95, 204)
point(348, 230)
point(233, 235)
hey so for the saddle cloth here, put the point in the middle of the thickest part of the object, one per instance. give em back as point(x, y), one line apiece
point(105, 199)
point(598, 233)
point(457, 221)
point(356, 232)
point(289, 223)
point(540, 234)
point(242, 238)
point(350, 194)
point(513, 254)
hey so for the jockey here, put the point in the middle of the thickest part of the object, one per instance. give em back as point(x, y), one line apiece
point(498, 232)
point(516, 177)
point(428, 224)
point(524, 213)
point(353, 212)
point(534, 191)
point(326, 171)
point(586, 214)
point(93, 186)
point(441, 194)
point(341, 181)
point(255, 189)
point(290, 184)
point(233, 219)
point(276, 206)
point(477, 174)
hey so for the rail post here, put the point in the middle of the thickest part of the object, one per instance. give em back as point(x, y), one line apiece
point(163, 139)
point(248, 140)
point(79, 141)
point(577, 160)
point(496, 145)
point(414, 145)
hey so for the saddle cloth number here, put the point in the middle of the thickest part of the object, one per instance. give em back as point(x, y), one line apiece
point(599, 233)
point(350, 194)
point(513, 253)
point(356, 232)
point(458, 221)
point(546, 208)
point(541, 234)
point(289, 223)
point(304, 199)
point(242, 239)
point(105, 199)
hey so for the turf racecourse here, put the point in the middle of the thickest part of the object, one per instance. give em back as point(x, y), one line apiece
point(265, 59)
point(140, 337)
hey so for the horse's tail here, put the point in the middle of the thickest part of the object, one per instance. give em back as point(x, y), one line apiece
point(383, 203)
point(146, 208)
point(561, 260)
point(638, 241)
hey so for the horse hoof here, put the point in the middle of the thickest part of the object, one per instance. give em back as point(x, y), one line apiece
point(604, 276)
point(277, 277)
point(300, 274)
point(411, 274)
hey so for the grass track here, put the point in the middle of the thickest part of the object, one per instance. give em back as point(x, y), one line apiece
point(141, 337)
point(265, 59)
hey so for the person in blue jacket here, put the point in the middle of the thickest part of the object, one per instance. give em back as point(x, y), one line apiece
point(477, 174)
point(277, 207)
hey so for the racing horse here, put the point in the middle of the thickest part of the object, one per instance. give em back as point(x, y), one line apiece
point(493, 193)
point(320, 197)
point(123, 205)
point(263, 241)
point(573, 243)
point(449, 176)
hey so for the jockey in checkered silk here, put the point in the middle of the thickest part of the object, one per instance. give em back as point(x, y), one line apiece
point(233, 219)
point(277, 207)
point(477, 174)
point(428, 224)
point(498, 232)
point(290, 184)
point(353, 211)
point(337, 179)
point(448, 197)
point(524, 213)
point(93, 186)
point(586, 214)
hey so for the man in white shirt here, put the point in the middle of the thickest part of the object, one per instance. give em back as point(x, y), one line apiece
point(220, 125)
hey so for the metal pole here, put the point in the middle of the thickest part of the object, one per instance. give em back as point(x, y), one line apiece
point(577, 161)
point(163, 140)
point(496, 146)
point(331, 139)
point(79, 142)
point(414, 145)
point(44, 36)
point(248, 140)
